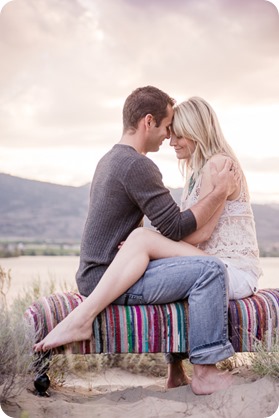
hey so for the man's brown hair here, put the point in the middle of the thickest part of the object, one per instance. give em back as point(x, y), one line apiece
point(144, 101)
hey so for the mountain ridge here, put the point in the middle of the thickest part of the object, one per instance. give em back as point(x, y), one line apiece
point(31, 209)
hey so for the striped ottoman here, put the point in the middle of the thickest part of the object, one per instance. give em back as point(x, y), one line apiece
point(156, 328)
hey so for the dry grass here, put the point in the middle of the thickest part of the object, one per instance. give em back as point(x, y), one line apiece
point(5, 284)
point(266, 363)
point(15, 346)
point(16, 339)
point(35, 291)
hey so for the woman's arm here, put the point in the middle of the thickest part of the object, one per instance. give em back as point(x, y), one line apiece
point(207, 185)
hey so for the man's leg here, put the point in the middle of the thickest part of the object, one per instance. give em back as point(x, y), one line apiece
point(176, 373)
point(203, 280)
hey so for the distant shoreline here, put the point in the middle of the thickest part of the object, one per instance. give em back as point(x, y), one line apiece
point(16, 248)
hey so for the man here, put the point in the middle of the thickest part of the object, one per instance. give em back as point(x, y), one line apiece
point(128, 185)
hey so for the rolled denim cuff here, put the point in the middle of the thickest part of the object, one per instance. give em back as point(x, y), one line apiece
point(213, 354)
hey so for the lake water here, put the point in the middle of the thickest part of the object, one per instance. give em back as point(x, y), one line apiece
point(25, 270)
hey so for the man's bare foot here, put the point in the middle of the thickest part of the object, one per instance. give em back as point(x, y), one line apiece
point(177, 375)
point(73, 328)
point(208, 379)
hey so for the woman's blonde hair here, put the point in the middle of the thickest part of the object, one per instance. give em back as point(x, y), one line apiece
point(196, 120)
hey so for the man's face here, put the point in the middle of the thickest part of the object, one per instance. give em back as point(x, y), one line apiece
point(158, 134)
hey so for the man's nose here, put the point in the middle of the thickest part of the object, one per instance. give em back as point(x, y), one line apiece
point(172, 141)
point(168, 133)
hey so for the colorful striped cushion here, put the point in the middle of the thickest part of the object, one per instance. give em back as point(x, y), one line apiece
point(157, 328)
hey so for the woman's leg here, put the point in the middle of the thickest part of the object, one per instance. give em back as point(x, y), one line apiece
point(128, 266)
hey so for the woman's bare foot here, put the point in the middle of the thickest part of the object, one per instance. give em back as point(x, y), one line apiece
point(77, 326)
point(208, 379)
point(177, 375)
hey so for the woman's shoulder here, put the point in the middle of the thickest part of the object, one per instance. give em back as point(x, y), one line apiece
point(218, 160)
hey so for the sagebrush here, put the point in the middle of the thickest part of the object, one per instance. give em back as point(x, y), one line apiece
point(15, 345)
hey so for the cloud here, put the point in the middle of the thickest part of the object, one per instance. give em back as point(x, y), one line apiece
point(68, 65)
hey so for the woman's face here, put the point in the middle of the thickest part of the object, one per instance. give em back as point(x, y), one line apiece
point(183, 147)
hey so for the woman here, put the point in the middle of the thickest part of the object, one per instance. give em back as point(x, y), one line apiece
point(230, 234)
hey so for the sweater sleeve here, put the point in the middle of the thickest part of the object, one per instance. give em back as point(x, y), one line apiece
point(145, 188)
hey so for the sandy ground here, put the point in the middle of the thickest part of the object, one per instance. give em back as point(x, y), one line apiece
point(118, 393)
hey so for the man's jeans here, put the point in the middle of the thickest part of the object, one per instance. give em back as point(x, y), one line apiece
point(204, 281)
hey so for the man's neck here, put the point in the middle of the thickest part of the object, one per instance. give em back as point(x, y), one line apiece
point(134, 141)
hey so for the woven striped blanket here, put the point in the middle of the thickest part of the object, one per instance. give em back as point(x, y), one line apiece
point(157, 328)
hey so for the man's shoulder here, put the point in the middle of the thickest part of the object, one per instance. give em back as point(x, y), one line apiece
point(122, 151)
point(129, 157)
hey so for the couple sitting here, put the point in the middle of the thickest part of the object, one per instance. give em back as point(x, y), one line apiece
point(206, 252)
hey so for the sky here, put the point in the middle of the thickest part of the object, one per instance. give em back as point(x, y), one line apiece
point(66, 67)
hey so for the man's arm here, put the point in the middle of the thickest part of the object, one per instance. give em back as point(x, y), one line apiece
point(144, 186)
point(204, 233)
point(222, 184)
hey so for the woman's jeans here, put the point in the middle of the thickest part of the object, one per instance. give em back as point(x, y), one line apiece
point(204, 281)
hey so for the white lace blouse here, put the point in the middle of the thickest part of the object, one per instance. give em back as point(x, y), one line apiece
point(234, 237)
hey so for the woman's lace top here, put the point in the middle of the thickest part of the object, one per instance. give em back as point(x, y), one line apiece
point(234, 237)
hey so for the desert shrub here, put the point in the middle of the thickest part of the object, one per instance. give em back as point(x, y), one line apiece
point(266, 362)
point(16, 338)
point(15, 345)
point(16, 360)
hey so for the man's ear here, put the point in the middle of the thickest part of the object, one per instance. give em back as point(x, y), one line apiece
point(148, 119)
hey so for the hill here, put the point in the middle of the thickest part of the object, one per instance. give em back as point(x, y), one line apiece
point(37, 210)
point(34, 210)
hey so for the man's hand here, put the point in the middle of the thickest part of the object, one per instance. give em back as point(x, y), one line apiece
point(227, 179)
